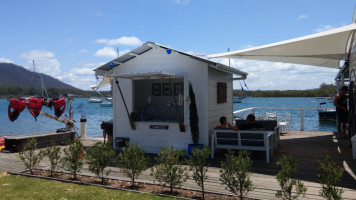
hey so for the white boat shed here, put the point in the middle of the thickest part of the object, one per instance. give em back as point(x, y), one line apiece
point(150, 87)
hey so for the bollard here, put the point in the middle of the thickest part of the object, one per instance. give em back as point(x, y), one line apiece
point(353, 140)
point(83, 128)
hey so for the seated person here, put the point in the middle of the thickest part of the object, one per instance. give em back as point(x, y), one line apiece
point(251, 124)
point(224, 123)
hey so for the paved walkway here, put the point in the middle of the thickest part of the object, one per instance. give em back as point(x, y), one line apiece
point(307, 147)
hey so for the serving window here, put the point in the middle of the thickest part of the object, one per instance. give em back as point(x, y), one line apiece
point(154, 100)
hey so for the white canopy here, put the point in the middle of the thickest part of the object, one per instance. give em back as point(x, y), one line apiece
point(321, 49)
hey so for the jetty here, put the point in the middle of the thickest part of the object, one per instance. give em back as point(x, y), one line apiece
point(307, 146)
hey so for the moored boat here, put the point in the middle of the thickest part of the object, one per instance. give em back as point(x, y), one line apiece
point(106, 104)
point(94, 100)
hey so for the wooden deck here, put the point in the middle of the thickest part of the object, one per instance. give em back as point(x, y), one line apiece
point(308, 147)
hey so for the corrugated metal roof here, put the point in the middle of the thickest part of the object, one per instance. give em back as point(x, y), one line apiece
point(150, 45)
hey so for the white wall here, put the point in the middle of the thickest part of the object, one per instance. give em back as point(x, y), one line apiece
point(152, 139)
point(222, 109)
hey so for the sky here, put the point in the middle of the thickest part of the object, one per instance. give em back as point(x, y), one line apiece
point(68, 39)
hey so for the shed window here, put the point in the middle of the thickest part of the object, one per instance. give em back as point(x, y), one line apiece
point(222, 93)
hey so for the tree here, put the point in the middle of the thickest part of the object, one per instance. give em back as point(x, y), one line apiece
point(197, 163)
point(73, 158)
point(132, 161)
point(29, 157)
point(168, 169)
point(235, 173)
point(288, 167)
point(54, 155)
point(329, 174)
point(193, 116)
point(99, 156)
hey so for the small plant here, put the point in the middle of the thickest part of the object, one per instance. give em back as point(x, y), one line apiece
point(193, 116)
point(235, 173)
point(29, 157)
point(73, 158)
point(168, 171)
point(99, 156)
point(53, 153)
point(197, 163)
point(329, 174)
point(288, 167)
point(132, 161)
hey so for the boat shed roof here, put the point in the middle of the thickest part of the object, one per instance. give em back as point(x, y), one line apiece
point(324, 49)
point(104, 69)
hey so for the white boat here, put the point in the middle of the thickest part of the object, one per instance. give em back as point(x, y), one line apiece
point(106, 104)
point(94, 100)
point(237, 99)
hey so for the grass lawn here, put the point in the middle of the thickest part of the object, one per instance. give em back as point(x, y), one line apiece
point(20, 187)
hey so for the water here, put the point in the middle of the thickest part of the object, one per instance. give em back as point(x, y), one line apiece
point(311, 120)
point(26, 124)
point(95, 114)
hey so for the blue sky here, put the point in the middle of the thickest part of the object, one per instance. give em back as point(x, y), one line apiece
point(68, 39)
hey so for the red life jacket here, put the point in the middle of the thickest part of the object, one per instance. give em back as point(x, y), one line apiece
point(16, 106)
point(35, 106)
point(59, 106)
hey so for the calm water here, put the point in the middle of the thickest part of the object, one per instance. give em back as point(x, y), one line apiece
point(95, 114)
point(311, 120)
point(26, 124)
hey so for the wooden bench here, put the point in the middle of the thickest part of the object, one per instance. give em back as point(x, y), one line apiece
point(256, 140)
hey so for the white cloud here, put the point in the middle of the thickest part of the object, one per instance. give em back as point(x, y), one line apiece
point(82, 76)
point(124, 52)
point(83, 51)
point(322, 28)
point(302, 17)
point(45, 62)
point(126, 41)
point(282, 76)
point(98, 14)
point(5, 60)
point(183, 2)
point(106, 52)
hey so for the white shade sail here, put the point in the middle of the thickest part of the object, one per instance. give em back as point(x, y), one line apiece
point(324, 49)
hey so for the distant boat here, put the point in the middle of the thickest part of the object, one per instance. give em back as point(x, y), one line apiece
point(106, 104)
point(237, 99)
point(94, 100)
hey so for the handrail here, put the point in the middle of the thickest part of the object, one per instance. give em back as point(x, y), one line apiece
point(252, 109)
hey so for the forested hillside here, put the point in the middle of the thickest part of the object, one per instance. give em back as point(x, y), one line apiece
point(14, 75)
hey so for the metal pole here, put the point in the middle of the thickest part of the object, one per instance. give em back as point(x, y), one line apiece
point(302, 119)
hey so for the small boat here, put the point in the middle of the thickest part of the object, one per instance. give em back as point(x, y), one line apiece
point(94, 100)
point(106, 104)
point(237, 99)
point(326, 113)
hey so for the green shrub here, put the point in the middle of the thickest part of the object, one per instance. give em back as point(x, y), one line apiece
point(28, 155)
point(197, 163)
point(73, 158)
point(193, 116)
point(53, 153)
point(168, 169)
point(132, 161)
point(235, 173)
point(99, 156)
point(288, 167)
point(329, 174)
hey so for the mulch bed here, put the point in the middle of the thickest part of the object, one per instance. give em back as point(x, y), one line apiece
point(139, 187)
